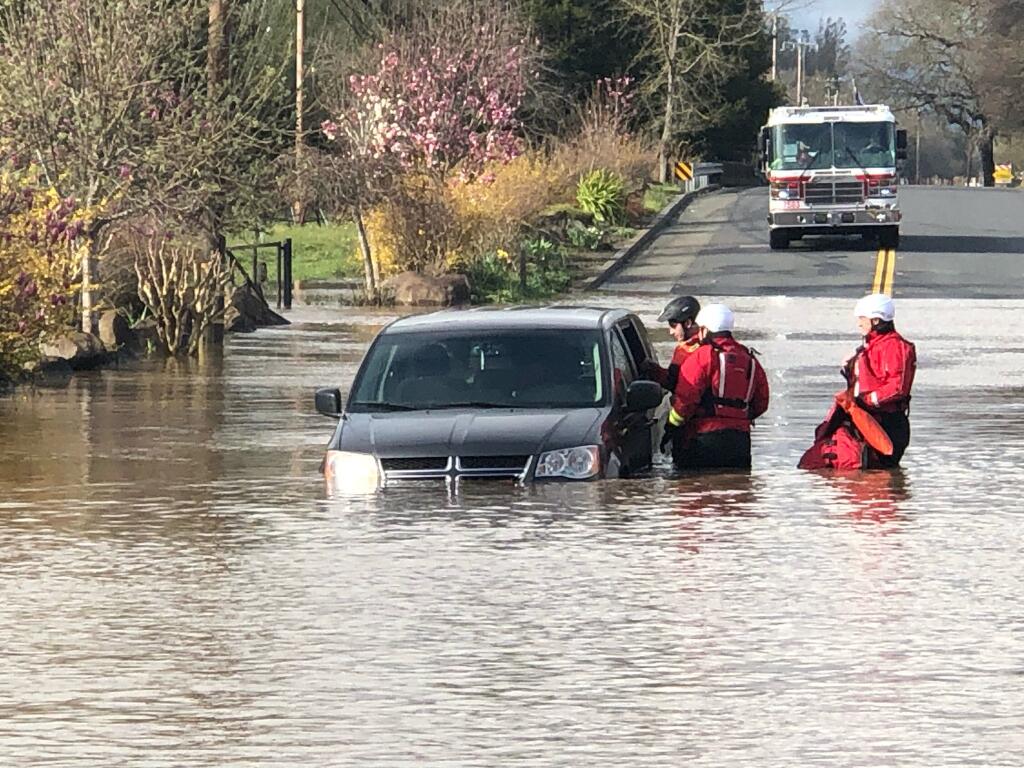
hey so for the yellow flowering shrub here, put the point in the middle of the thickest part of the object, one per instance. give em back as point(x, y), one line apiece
point(41, 237)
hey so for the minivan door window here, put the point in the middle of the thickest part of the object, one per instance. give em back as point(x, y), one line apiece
point(635, 344)
point(623, 372)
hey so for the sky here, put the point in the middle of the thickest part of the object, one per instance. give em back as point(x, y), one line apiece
point(806, 13)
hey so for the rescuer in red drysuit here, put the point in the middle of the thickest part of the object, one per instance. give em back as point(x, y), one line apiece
point(681, 315)
point(722, 388)
point(879, 375)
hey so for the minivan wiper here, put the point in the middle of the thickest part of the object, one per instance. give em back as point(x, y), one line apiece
point(379, 406)
point(467, 404)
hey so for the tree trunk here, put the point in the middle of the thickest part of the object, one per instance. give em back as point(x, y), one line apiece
point(88, 276)
point(369, 270)
point(217, 47)
point(666, 128)
point(986, 151)
point(970, 160)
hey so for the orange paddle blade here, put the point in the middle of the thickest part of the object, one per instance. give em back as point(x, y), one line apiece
point(865, 423)
point(870, 430)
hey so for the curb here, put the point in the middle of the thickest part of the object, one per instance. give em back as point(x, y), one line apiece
point(628, 252)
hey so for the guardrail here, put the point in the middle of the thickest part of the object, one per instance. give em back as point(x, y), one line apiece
point(704, 175)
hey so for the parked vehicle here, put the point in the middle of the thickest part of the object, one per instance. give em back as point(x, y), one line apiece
point(522, 393)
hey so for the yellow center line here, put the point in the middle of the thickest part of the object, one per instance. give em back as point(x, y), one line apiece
point(876, 286)
point(890, 274)
point(885, 271)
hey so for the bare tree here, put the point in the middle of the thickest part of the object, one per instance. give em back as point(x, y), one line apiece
point(182, 284)
point(117, 103)
point(925, 58)
point(693, 51)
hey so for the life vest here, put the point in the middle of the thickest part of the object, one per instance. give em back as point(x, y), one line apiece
point(732, 383)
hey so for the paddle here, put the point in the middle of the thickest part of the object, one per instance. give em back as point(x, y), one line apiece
point(865, 423)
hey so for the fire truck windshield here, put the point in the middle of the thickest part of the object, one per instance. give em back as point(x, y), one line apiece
point(811, 146)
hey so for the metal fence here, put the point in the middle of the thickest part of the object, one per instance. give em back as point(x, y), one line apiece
point(283, 278)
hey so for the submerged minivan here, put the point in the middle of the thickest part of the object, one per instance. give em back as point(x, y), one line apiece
point(526, 394)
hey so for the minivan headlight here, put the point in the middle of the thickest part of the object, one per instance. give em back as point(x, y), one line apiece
point(572, 463)
point(346, 472)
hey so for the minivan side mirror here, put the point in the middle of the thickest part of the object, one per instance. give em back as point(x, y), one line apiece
point(328, 403)
point(643, 396)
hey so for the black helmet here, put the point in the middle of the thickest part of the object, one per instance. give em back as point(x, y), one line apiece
point(679, 310)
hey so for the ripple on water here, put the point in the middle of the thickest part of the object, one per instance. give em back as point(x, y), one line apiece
point(178, 590)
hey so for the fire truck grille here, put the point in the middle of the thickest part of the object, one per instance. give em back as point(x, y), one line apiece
point(834, 192)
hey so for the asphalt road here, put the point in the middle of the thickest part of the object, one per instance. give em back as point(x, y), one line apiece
point(956, 243)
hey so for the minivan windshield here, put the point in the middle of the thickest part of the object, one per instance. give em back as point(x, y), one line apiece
point(804, 146)
point(485, 369)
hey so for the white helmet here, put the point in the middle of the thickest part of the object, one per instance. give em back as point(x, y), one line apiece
point(716, 318)
point(876, 305)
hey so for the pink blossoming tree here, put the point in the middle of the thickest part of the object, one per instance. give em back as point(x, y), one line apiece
point(433, 107)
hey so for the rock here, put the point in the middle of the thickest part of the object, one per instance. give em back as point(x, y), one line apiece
point(457, 288)
point(80, 350)
point(144, 336)
point(49, 370)
point(248, 311)
point(412, 289)
point(114, 330)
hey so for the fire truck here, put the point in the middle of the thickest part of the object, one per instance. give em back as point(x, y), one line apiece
point(832, 171)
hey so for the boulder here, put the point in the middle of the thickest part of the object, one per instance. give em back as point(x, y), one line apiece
point(80, 350)
point(49, 370)
point(248, 311)
point(114, 330)
point(457, 288)
point(411, 289)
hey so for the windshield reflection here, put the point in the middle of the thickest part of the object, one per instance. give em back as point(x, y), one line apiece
point(491, 369)
point(803, 147)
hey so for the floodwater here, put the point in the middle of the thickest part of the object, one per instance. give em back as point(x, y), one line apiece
point(177, 589)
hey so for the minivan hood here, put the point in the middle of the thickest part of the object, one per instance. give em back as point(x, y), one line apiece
point(469, 432)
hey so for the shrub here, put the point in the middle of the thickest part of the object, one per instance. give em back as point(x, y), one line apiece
point(603, 193)
point(40, 248)
point(494, 275)
point(414, 229)
point(588, 237)
point(492, 209)
point(181, 283)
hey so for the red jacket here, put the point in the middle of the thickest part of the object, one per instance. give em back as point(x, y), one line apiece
point(669, 377)
point(882, 372)
point(715, 404)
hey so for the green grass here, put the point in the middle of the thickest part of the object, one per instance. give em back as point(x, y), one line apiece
point(657, 196)
point(327, 252)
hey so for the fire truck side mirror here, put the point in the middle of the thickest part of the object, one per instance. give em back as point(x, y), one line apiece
point(764, 145)
point(901, 144)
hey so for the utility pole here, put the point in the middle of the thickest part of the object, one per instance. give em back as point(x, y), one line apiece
point(803, 42)
point(775, 46)
point(300, 45)
point(800, 72)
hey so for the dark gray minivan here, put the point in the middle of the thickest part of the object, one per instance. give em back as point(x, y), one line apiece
point(531, 394)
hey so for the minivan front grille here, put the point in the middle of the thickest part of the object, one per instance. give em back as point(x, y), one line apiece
point(425, 468)
point(834, 191)
point(493, 462)
point(417, 464)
